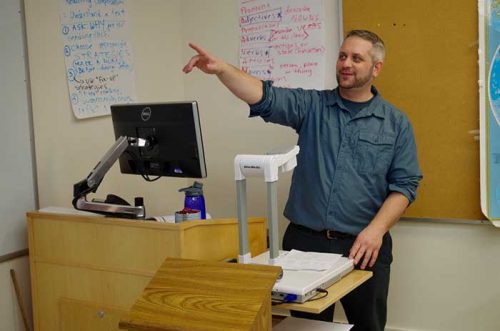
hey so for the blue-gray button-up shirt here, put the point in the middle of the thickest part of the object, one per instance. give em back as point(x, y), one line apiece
point(347, 166)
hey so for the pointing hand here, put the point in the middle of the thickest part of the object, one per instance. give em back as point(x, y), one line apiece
point(204, 61)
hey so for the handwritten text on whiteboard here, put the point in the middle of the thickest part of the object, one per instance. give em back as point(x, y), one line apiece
point(283, 41)
point(98, 56)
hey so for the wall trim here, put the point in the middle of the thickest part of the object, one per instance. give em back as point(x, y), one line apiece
point(14, 255)
point(447, 221)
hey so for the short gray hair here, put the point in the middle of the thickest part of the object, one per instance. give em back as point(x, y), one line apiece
point(378, 52)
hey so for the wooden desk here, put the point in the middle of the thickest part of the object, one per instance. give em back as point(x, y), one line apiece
point(335, 292)
point(86, 272)
point(201, 295)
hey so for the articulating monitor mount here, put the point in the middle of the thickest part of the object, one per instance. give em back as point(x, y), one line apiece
point(113, 205)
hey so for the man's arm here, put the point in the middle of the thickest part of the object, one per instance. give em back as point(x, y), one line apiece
point(368, 242)
point(241, 84)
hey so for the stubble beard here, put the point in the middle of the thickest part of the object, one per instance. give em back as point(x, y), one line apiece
point(358, 82)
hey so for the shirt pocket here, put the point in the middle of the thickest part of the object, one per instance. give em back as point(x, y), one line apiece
point(374, 152)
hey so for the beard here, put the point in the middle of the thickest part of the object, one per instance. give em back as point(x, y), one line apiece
point(359, 81)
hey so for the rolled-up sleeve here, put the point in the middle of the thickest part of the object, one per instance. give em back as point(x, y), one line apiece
point(262, 108)
point(283, 105)
point(405, 175)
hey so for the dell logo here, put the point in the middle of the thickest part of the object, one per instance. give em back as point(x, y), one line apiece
point(146, 114)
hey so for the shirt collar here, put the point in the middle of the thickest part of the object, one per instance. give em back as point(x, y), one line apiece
point(333, 98)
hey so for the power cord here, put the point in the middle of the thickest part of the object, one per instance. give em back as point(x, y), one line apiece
point(316, 297)
point(140, 168)
point(275, 302)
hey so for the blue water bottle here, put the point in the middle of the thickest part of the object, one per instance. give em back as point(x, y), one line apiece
point(194, 198)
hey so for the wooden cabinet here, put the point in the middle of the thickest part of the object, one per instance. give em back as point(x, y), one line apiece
point(86, 272)
point(78, 315)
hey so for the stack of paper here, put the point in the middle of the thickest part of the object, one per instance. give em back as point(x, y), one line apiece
point(298, 260)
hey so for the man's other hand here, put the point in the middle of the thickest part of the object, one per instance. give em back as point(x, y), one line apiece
point(366, 247)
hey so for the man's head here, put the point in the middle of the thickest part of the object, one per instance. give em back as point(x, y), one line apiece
point(378, 47)
point(360, 60)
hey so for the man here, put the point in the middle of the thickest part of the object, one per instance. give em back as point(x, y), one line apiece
point(357, 169)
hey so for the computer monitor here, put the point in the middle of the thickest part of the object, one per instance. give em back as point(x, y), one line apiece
point(173, 133)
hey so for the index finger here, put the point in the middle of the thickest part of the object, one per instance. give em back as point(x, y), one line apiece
point(198, 49)
point(354, 250)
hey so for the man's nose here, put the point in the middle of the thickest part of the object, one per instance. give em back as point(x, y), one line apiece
point(347, 63)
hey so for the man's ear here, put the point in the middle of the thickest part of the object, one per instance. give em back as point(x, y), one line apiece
point(377, 68)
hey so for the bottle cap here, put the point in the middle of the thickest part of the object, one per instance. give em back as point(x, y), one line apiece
point(194, 190)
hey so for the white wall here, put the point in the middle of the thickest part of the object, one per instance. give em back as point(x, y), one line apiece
point(16, 168)
point(17, 189)
point(444, 275)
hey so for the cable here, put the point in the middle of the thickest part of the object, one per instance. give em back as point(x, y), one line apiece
point(316, 297)
point(140, 168)
point(275, 302)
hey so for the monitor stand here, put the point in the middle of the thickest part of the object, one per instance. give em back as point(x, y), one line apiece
point(113, 205)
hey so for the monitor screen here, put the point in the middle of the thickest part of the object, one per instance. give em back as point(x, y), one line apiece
point(173, 133)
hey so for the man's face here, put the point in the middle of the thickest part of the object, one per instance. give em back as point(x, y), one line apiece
point(355, 66)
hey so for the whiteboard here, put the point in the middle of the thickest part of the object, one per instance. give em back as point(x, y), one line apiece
point(489, 105)
point(17, 184)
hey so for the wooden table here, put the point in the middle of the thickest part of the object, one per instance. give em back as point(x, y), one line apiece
point(203, 295)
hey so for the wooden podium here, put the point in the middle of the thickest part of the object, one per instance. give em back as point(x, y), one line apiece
point(86, 272)
point(202, 295)
point(198, 295)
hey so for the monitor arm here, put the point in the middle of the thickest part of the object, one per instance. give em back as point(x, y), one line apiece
point(93, 180)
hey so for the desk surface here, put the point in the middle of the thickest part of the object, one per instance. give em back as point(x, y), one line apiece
point(335, 293)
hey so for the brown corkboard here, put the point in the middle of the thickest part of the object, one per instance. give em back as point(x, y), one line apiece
point(431, 74)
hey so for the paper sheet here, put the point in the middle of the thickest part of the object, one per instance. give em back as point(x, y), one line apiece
point(98, 55)
point(298, 260)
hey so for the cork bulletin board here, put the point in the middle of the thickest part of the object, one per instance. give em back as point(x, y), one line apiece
point(431, 74)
